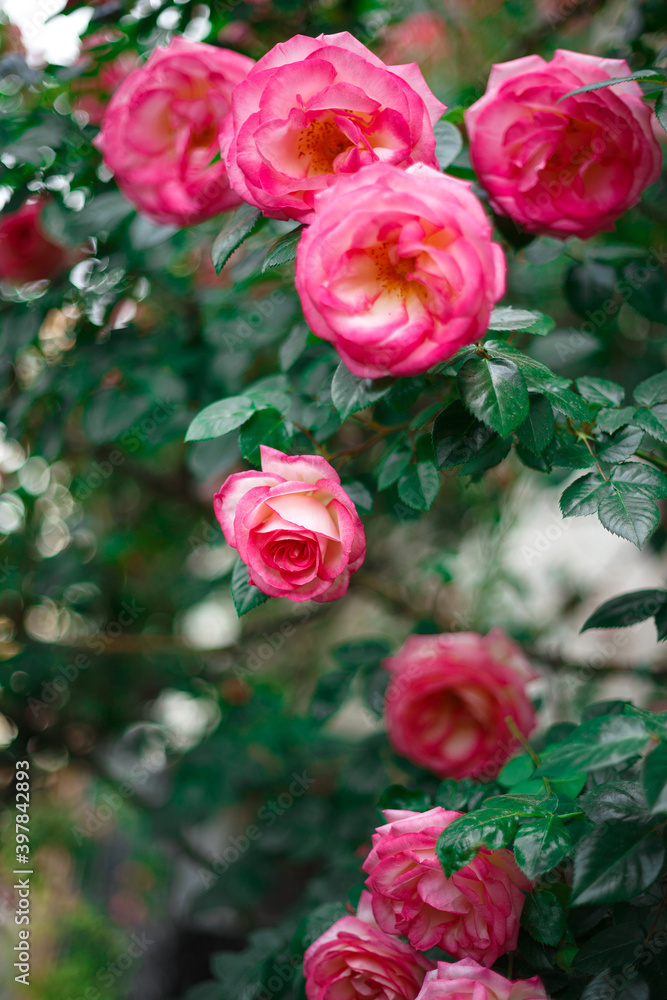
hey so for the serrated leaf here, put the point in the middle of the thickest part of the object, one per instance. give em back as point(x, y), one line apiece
point(627, 609)
point(269, 427)
point(642, 74)
point(360, 496)
point(448, 142)
point(583, 495)
point(399, 797)
point(244, 594)
point(611, 419)
point(543, 917)
point(220, 418)
point(494, 390)
point(613, 800)
point(350, 393)
point(600, 391)
point(600, 742)
point(540, 844)
point(458, 436)
point(654, 778)
point(239, 227)
point(283, 250)
point(565, 401)
point(638, 477)
point(460, 842)
point(653, 421)
point(537, 430)
point(620, 445)
point(616, 861)
point(652, 390)
point(419, 485)
point(661, 109)
point(630, 516)
point(568, 452)
point(392, 463)
point(610, 948)
point(507, 318)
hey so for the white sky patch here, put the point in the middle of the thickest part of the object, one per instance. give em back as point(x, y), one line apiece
point(48, 35)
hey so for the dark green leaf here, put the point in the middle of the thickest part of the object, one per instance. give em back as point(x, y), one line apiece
point(240, 226)
point(661, 109)
point(361, 654)
point(653, 421)
point(652, 390)
point(460, 842)
point(620, 445)
point(494, 390)
point(646, 291)
point(589, 288)
point(630, 516)
point(244, 594)
point(110, 412)
point(583, 495)
point(539, 846)
point(330, 693)
point(610, 985)
point(292, 348)
point(611, 418)
point(616, 861)
point(641, 74)
point(543, 917)
point(600, 742)
point(458, 436)
point(393, 463)
point(613, 800)
point(398, 797)
point(448, 142)
point(518, 769)
point(627, 609)
point(267, 427)
point(637, 477)
point(537, 430)
point(568, 452)
point(351, 393)
point(220, 418)
point(610, 948)
point(654, 778)
point(600, 391)
point(418, 487)
point(360, 496)
point(283, 250)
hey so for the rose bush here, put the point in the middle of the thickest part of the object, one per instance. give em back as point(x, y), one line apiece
point(354, 960)
point(27, 251)
point(474, 914)
point(294, 526)
point(159, 133)
point(467, 980)
point(562, 167)
point(398, 269)
point(313, 108)
point(449, 697)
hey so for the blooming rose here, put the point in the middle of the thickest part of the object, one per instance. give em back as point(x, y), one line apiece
point(27, 251)
point(312, 108)
point(567, 169)
point(398, 269)
point(467, 980)
point(473, 914)
point(100, 79)
point(355, 960)
point(449, 696)
point(159, 133)
point(294, 526)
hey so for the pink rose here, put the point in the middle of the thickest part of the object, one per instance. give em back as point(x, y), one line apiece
point(567, 169)
point(449, 696)
point(159, 134)
point(27, 251)
point(466, 980)
point(100, 78)
point(312, 108)
point(398, 269)
point(473, 914)
point(355, 960)
point(294, 526)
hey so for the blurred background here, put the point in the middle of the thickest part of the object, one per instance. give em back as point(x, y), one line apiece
point(159, 725)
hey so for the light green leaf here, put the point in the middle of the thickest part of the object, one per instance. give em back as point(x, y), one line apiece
point(220, 418)
point(234, 233)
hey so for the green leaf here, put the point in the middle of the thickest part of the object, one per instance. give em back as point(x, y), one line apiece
point(653, 421)
point(398, 797)
point(242, 973)
point(283, 250)
point(540, 844)
point(610, 948)
point(448, 142)
point(646, 291)
point(620, 445)
point(583, 495)
point(601, 742)
point(661, 109)
point(518, 769)
point(220, 418)
point(350, 393)
point(630, 516)
point(567, 451)
point(110, 412)
point(613, 800)
point(361, 497)
point(654, 778)
point(600, 391)
point(566, 401)
point(267, 427)
point(292, 348)
point(610, 418)
point(458, 436)
point(362, 654)
point(330, 693)
point(652, 390)
point(273, 390)
point(494, 390)
point(606, 986)
point(392, 463)
point(419, 486)
point(638, 477)
point(240, 226)
point(543, 917)
point(627, 609)
point(537, 430)
point(244, 594)
point(461, 841)
point(642, 74)
point(507, 318)
point(616, 861)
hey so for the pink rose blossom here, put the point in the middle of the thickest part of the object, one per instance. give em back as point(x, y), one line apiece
point(27, 251)
point(567, 169)
point(294, 526)
point(449, 696)
point(355, 960)
point(313, 108)
point(159, 134)
point(467, 980)
point(474, 914)
point(398, 269)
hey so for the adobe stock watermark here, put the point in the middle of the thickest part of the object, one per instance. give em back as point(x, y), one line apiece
point(132, 439)
point(109, 973)
point(96, 817)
